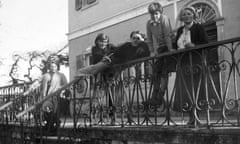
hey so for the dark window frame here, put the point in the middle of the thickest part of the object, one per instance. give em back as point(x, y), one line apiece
point(78, 4)
point(91, 1)
point(83, 4)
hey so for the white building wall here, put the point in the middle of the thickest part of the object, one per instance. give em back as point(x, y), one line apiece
point(118, 18)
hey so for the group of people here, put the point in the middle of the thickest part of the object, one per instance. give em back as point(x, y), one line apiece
point(159, 40)
point(51, 81)
point(104, 54)
point(189, 35)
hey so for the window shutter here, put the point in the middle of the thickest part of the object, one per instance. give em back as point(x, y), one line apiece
point(91, 1)
point(78, 4)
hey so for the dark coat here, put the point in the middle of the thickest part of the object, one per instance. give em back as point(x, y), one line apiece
point(127, 52)
point(185, 86)
point(119, 55)
point(98, 53)
point(198, 34)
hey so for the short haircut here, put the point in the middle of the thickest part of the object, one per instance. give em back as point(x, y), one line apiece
point(134, 32)
point(101, 37)
point(154, 7)
point(139, 33)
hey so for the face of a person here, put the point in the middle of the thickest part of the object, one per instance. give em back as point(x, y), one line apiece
point(102, 44)
point(136, 39)
point(156, 16)
point(53, 67)
point(187, 16)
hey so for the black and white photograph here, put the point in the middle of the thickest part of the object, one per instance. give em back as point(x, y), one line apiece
point(120, 72)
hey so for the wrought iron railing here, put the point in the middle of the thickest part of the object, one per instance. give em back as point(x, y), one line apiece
point(12, 101)
point(202, 82)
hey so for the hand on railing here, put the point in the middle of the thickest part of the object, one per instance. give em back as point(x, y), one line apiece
point(171, 50)
point(152, 54)
point(189, 45)
point(108, 58)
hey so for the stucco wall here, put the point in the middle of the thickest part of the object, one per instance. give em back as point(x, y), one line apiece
point(231, 14)
point(98, 12)
point(118, 33)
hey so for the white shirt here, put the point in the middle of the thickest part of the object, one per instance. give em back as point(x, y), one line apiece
point(185, 37)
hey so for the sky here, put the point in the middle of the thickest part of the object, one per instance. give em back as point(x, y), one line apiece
point(28, 25)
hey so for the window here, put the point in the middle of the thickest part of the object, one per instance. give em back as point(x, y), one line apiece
point(205, 12)
point(91, 1)
point(80, 4)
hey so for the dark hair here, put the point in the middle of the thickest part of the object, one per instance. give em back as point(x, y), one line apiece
point(192, 9)
point(137, 32)
point(101, 37)
point(53, 59)
point(154, 7)
point(133, 33)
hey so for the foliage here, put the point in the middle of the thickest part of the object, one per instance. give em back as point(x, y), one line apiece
point(35, 60)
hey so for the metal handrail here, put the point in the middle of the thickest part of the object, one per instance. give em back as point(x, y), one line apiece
point(46, 98)
point(204, 46)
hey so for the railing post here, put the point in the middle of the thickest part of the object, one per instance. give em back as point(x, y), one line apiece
point(91, 96)
point(205, 76)
point(234, 67)
point(193, 110)
point(74, 107)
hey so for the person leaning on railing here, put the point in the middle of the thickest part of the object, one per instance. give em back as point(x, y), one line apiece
point(102, 48)
point(160, 40)
point(127, 51)
point(123, 53)
point(189, 35)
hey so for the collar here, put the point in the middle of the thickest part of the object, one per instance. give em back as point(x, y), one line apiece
point(188, 26)
point(155, 23)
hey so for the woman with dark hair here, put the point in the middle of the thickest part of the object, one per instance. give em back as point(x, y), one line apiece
point(98, 61)
point(101, 48)
point(104, 57)
point(127, 51)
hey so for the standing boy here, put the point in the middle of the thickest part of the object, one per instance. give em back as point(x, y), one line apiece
point(159, 33)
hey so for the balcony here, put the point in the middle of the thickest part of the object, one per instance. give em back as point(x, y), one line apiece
point(203, 82)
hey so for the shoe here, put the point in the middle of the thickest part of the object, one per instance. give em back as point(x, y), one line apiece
point(191, 121)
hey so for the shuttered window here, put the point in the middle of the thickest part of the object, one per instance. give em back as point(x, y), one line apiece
point(81, 4)
point(78, 4)
point(91, 1)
